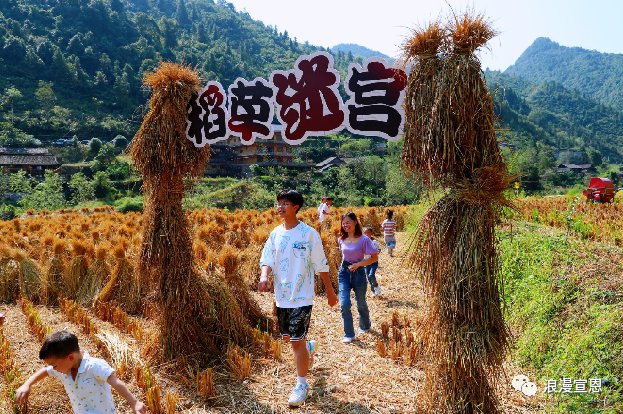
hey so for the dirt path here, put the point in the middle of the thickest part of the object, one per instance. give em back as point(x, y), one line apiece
point(346, 378)
point(353, 378)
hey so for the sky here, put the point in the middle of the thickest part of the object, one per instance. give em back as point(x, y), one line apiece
point(383, 25)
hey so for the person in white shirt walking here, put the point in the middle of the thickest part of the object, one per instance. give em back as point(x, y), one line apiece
point(324, 209)
point(294, 253)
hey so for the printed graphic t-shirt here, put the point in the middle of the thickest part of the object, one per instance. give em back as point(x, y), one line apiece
point(294, 255)
point(89, 393)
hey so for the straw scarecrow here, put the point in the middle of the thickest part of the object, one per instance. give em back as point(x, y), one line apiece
point(450, 142)
point(198, 312)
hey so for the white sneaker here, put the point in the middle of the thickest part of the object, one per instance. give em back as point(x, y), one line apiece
point(376, 291)
point(363, 331)
point(312, 347)
point(347, 339)
point(298, 395)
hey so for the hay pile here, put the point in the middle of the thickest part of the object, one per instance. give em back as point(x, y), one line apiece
point(450, 142)
point(198, 313)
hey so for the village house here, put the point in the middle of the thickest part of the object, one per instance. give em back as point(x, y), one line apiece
point(32, 160)
point(576, 168)
point(330, 162)
point(232, 158)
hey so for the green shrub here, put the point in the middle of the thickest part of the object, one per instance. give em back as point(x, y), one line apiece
point(126, 204)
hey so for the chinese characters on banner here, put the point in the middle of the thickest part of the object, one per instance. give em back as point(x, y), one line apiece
point(307, 102)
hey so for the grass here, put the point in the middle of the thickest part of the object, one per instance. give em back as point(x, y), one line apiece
point(564, 325)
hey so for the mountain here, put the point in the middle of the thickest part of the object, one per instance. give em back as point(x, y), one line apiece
point(593, 74)
point(76, 66)
point(360, 51)
point(553, 115)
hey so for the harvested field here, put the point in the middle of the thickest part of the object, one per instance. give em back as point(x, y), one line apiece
point(345, 378)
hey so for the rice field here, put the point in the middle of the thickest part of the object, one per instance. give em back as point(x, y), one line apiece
point(589, 221)
point(73, 270)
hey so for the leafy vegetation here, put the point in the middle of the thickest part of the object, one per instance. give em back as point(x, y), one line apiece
point(566, 320)
point(75, 67)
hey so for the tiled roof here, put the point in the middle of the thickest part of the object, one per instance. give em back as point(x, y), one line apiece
point(29, 160)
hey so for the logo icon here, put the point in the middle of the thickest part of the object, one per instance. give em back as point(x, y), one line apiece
point(523, 384)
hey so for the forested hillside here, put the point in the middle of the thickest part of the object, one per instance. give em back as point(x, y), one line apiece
point(549, 116)
point(75, 66)
point(359, 51)
point(593, 74)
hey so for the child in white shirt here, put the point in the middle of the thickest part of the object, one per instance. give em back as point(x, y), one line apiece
point(87, 381)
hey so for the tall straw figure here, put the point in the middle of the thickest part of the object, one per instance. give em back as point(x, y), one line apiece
point(450, 143)
point(198, 312)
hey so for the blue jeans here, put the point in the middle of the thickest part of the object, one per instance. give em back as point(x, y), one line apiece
point(371, 274)
point(356, 281)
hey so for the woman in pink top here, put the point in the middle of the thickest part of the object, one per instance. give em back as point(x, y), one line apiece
point(352, 276)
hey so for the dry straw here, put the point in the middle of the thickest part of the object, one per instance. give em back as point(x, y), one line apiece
point(450, 142)
point(95, 278)
point(198, 312)
point(123, 286)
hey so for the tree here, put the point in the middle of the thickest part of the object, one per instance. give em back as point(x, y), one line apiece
point(47, 195)
point(347, 187)
point(102, 185)
point(181, 15)
point(116, 6)
point(58, 68)
point(45, 96)
point(400, 189)
point(11, 136)
point(20, 182)
point(105, 157)
point(595, 157)
point(45, 51)
point(122, 88)
point(14, 49)
point(94, 148)
point(10, 96)
point(120, 142)
point(82, 189)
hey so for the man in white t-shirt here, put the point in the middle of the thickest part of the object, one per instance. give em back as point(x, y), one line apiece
point(294, 253)
point(324, 208)
point(321, 206)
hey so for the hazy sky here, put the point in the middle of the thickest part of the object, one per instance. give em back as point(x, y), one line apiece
point(383, 25)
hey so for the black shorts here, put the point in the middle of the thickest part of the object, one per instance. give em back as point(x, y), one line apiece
point(294, 322)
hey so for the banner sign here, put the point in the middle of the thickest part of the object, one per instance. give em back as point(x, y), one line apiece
point(307, 103)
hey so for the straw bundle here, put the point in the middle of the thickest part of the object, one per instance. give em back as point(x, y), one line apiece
point(123, 286)
point(449, 125)
point(76, 270)
point(450, 142)
point(198, 312)
point(229, 261)
point(95, 278)
point(29, 275)
point(52, 280)
point(9, 290)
